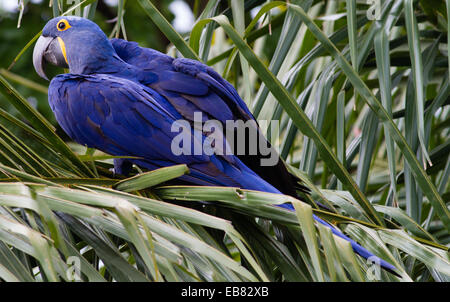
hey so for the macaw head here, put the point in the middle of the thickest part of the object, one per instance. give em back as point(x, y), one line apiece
point(72, 42)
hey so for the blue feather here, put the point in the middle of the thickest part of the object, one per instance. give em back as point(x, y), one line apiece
point(123, 99)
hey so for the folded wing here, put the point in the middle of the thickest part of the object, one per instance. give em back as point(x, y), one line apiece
point(190, 87)
point(124, 118)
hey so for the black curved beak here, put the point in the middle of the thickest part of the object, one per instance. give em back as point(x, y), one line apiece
point(47, 49)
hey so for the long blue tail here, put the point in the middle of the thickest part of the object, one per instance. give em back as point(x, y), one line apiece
point(356, 247)
point(247, 179)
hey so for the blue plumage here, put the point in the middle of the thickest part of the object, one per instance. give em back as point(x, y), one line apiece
point(123, 99)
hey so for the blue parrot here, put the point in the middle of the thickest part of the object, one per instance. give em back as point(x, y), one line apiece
point(124, 100)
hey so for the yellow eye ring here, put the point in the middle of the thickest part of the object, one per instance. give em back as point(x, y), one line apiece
point(63, 25)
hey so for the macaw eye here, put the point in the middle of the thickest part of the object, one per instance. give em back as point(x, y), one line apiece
point(63, 25)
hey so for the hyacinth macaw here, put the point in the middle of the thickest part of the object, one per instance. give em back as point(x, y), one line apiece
point(123, 99)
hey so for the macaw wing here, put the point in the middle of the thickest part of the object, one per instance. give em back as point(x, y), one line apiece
point(188, 84)
point(121, 117)
point(191, 86)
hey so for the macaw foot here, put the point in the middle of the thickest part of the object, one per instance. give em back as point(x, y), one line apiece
point(122, 166)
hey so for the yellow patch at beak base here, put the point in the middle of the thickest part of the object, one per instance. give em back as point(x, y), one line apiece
point(63, 49)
